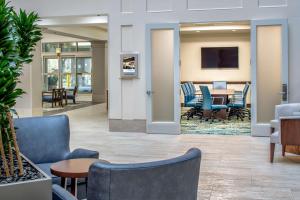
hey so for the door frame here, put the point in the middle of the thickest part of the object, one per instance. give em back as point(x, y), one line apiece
point(263, 129)
point(163, 127)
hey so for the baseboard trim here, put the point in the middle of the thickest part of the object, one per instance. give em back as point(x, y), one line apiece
point(119, 125)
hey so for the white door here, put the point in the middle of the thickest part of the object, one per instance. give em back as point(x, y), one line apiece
point(269, 49)
point(163, 82)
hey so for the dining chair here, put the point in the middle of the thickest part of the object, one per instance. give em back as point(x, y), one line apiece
point(54, 97)
point(72, 96)
point(219, 85)
point(208, 106)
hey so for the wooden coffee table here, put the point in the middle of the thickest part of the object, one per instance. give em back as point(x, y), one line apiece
point(74, 169)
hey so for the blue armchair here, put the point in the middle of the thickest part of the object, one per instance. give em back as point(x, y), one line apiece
point(208, 106)
point(175, 179)
point(191, 100)
point(45, 140)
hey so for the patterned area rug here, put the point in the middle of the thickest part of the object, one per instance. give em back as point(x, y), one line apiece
point(232, 127)
point(48, 110)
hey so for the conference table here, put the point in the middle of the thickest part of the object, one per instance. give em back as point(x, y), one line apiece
point(220, 94)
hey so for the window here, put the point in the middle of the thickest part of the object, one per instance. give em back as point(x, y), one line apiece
point(49, 47)
point(84, 46)
point(68, 47)
point(68, 69)
point(68, 72)
point(84, 74)
point(51, 73)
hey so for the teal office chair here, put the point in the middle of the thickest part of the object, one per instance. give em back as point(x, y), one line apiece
point(238, 105)
point(191, 100)
point(208, 105)
point(192, 87)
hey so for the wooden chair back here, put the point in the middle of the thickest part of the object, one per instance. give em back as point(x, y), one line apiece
point(58, 93)
point(75, 90)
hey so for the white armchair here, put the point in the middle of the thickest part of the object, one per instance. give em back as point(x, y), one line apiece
point(285, 128)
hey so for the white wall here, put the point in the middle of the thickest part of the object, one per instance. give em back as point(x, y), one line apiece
point(190, 54)
point(137, 13)
point(31, 82)
point(191, 57)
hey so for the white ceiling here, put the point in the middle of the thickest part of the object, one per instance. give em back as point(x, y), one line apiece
point(73, 20)
point(48, 37)
point(94, 32)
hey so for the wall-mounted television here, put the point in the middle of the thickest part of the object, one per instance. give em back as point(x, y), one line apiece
point(220, 57)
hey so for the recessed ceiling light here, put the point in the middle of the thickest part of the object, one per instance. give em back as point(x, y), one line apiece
point(216, 28)
point(233, 30)
point(198, 31)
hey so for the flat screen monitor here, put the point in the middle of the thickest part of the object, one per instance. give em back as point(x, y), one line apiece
point(220, 57)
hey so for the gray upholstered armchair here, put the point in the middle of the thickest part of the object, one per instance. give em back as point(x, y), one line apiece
point(175, 179)
point(285, 128)
point(45, 140)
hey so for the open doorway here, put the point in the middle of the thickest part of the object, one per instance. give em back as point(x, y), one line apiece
point(215, 78)
point(74, 63)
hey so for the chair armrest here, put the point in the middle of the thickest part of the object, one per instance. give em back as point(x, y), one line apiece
point(59, 193)
point(274, 123)
point(83, 153)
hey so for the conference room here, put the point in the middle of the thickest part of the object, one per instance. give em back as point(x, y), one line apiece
point(215, 78)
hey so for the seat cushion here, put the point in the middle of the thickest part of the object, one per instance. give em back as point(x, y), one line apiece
point(70, 96)
point(217, 107)
point(236, 105)
point(195, 102)
point(275, 138)
point(47, 98)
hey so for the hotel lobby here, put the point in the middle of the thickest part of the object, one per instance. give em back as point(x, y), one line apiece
point(149, 100)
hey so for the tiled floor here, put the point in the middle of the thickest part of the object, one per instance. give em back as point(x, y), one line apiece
point(233, 167)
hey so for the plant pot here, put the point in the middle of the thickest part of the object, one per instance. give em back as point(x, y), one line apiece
point(39, 189)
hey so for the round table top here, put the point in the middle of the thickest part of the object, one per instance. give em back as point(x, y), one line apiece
point(74, 168)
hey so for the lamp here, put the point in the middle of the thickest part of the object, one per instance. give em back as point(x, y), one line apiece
point(58, 51)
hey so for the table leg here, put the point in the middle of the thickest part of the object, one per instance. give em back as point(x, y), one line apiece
point(66, 99)
point(74, 186)
point(63, 182)
point(86, 185)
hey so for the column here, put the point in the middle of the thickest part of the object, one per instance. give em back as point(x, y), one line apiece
point(30, 104)
point(98, 72)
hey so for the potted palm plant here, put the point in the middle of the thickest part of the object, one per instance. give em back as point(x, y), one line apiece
point(19, 34)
